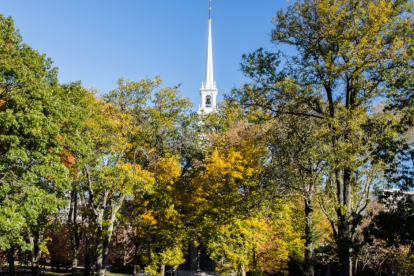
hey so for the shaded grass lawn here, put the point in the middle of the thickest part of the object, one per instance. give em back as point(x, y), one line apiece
point(80, 273)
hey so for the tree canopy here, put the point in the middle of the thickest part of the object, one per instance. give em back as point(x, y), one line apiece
point(284, 178)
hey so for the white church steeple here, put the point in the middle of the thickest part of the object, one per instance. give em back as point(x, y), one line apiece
point(208, 90)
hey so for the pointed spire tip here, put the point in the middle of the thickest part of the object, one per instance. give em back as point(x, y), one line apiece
point(209, 10)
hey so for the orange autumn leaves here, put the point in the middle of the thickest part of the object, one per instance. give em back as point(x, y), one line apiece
point(67, 158)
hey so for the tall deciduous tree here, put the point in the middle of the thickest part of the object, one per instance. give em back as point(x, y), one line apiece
point(134, 159)
point(77, 102)
point(347, 51)
point(297, 169)
point(107, 176)
point(162, 145)
point(35, 114)
point(228, 196)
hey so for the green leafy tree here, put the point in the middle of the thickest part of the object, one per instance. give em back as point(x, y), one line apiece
point(163, 145)
point(228, 196)
point(107, 177)
point(284, 242)
point(297, 169)
point(346, 55)
point(78, 100)
point(133, 164)
point(35, 116)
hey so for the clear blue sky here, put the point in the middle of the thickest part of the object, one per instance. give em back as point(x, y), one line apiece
point(98, 42)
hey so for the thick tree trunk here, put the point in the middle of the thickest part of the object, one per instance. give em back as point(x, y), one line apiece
point(102, 244)
point(10, 260)
point(100, 267)
point(88, 258)
point(344, 222)
point(107, 240)
point(243, 270)
point(309, 239)
point(136, 270)
point(343, 253)
point(36, 252)
point(104, 237)
point(162, 272)
point(75, 254)
point(74, 230)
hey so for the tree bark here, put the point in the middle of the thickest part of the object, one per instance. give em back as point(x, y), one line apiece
point(344, 222)
point(162, 272)
point(100, 269)
point(88, 253)
point(10, 260)
point(75, 254)
point(107, 240)
point(103, 240)
point(243, 270)
point(36, 251)
point(355, 266)
point(309, 239)
point(74, 230)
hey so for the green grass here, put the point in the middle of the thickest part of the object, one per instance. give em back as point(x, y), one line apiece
point(18, 267)
point(117, 274)
point(80, 273)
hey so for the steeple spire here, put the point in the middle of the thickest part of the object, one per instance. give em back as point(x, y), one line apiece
point(209, 81)
point(208, 90)
point(209, 10)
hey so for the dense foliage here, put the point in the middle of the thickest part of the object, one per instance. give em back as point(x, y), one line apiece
point(282, 179)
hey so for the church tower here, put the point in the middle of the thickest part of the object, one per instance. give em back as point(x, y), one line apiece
point(208, 90)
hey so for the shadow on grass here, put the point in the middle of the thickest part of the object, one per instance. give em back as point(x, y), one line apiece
point(79, 272)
